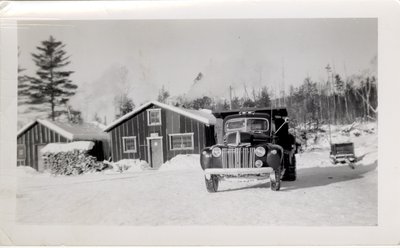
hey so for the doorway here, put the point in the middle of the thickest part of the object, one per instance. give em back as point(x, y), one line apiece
point(39, 158)
point(155, 151)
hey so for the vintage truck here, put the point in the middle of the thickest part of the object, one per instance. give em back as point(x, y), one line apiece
point(256, 143)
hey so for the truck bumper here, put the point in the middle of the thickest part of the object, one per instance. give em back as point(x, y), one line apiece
point(237, 171)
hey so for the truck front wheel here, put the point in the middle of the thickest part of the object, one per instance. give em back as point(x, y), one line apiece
point(212, 184)
point(275, 180)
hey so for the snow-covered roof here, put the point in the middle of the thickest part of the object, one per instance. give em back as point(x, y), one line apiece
point(201, 116)
point(68, 147)
point(83, 131)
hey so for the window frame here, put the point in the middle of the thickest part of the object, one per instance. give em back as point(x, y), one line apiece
point(158, 110)
point(24, 149)
point(246, 126)
point(180, 134)
point(123, 144)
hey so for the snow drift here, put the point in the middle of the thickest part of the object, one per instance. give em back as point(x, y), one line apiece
point(132, 165)
point(182, 162)
point(26, 171)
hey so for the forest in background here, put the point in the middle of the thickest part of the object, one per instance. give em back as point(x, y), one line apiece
point(340, 99)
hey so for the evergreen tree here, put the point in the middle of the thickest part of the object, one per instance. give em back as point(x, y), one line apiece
point(163, 94)
point(204, 102)
point(123, 104)
point(51, 86)
point(248, 103)
point(236, 103)
point(74, 116)
point(221, 105)
point(264, 99)
point(310, 91)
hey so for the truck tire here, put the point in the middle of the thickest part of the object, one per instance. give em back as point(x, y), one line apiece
point(212, 184)
point(290, 172)
point(275, 180)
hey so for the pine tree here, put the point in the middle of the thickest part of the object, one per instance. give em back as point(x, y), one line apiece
point(163, 95)
point(52, 85)
point(124, 105)
point(74, 116)
point(236, 103)
point(248, 103)
point(264, 99)
point(204, 102)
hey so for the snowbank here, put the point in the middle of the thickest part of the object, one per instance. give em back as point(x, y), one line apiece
point(182, 162)
point(179, 162)
point(25, 171)
point(132, 165)
point(68, 147)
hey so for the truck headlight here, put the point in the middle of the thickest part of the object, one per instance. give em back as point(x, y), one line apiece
point(260, 151)
point(259, 163)
point(216, 152)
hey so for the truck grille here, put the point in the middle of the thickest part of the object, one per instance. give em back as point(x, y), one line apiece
point(238, 157)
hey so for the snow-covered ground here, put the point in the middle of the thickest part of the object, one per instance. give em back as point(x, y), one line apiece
point(323, 195)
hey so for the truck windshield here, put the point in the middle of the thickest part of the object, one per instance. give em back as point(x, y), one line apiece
point(247, 124)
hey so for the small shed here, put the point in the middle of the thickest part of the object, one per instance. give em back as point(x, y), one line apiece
point(156, 132)
point(37, 134)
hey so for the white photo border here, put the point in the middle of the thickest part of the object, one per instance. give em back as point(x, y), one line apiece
point(386, 233)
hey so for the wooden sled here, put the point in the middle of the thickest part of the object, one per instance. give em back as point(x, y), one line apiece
point(343, 153)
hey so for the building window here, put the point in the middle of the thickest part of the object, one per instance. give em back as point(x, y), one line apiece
point(129, 144)
point(181, 141)
point(153, 117)
point(21, 154)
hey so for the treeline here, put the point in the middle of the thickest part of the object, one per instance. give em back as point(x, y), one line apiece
point(257, 100)
point(337, 101)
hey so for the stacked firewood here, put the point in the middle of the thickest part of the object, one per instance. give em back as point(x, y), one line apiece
point(71, 163)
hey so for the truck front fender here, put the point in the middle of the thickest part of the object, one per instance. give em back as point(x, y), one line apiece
point(205, 158)
point(274, 156)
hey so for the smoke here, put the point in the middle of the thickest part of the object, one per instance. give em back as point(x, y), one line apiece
point(97, 97)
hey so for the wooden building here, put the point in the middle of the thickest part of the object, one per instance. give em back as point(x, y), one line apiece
point(156, 132)
point(37, 134)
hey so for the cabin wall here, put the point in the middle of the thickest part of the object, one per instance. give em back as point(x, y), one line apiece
point(176, 123)
point(171, 123)
point(37, 135)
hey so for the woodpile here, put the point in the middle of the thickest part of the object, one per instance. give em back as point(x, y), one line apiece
point(71, 163)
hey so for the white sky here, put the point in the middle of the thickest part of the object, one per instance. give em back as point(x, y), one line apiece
point(237, 52)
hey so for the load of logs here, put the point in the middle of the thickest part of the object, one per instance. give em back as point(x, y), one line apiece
point(71, 162)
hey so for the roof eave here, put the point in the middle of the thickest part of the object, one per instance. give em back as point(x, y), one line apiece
point(25, 128)
point(162, 105)
point(57, 129)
